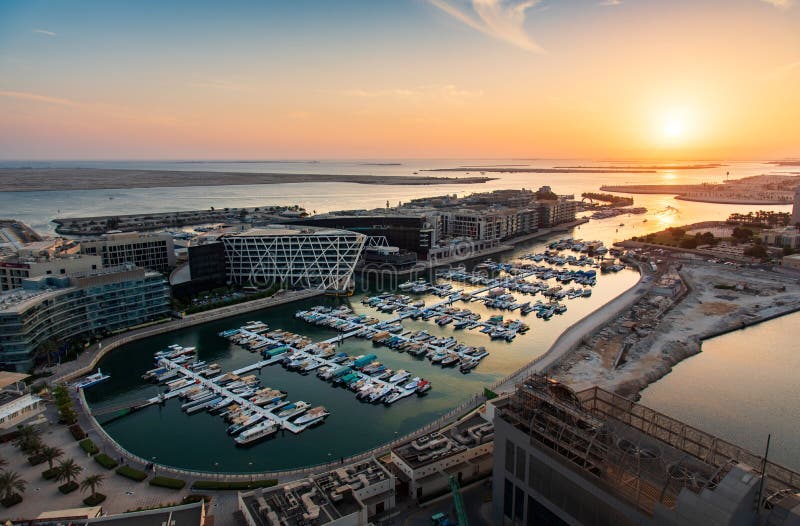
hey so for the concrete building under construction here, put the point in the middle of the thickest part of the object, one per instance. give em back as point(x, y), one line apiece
point(596, 458)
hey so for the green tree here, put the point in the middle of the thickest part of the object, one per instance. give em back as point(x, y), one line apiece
point(28, 438)
point(11, 483)
point(68, 470)
point(92, 482)
point(51, 454)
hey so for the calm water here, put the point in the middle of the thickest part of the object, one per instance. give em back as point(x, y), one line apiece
point(199, 441)
point(353, 426)
point(742, 387)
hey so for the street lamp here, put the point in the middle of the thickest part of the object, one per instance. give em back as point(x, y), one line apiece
point(251, 472)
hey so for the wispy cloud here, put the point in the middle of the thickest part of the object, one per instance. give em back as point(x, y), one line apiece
point(220, 84)
point(440, 92)
point(45, 32)
point(611, 2)
point(500, 19)
point(33, 97)
point(781, 4)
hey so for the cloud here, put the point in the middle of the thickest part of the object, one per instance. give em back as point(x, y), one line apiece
point(220, 84)
point(781, 4)
point(500, 19)
point(45, 32)
point(439, 92)
point(611, 2)
point(21, 95)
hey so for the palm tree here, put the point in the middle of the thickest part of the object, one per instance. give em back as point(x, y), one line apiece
point(68, 470)
point(92, 482)
point(51, 454)
point(11, 483)
point(28, 438)
point(3, 462)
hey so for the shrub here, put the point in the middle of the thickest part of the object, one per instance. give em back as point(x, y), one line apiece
point(88, 446)
point(105, 461)
point(167, 482)
point(94, 500)
point(131, 473)
point(12, 500)
point(35, 460)
point(69, 487)
point(77, 432)
point(50, 474)
point(237, 485)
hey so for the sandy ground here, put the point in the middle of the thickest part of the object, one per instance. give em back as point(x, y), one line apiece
point(721, 297)
point(40, 179)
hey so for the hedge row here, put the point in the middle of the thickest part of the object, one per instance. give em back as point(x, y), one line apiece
point(133, 474)
point(106, 461)
point(94, 500)
point(69, 487)
point(77, 432)
point(167, 482)
point(88, 446)
point(236, 485)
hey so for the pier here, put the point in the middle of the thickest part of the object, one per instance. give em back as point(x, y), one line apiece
point(211, 385)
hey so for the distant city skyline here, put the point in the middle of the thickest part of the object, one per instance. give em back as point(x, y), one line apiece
point(606, 79)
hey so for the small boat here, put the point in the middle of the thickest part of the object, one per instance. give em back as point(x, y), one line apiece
point(293, 409)
point(313, 416)
point(92, 379)
point(423, 387)
point(263, 430)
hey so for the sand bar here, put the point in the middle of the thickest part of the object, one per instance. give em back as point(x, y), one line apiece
point(43, 179)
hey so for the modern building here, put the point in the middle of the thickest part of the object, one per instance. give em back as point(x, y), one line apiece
point(796, 208)
point(149, 250)
point(556, 211)
point(17, 403)
point(54, 257)
point(349, 496)
point(492, 224)
point(409, 232)
point(204, 271)
point(792, 262)
point(463, 451)
point(292, 256)
point(595, 458)
point(58, 308)
point(785, 237)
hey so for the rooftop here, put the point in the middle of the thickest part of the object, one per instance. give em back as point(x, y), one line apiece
point(284, 230)
point(636, 453)
point(317, 500)
point(445, 443)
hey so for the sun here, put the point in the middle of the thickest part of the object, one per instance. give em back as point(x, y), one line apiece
point(674, 125)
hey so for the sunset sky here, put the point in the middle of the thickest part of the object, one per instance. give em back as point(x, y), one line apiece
point(669, 79)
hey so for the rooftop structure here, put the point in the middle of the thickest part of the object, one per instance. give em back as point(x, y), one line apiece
point(796, 207)
point(148, 250)
point(350, 495)
point(463, 450)
point(307, 257)
point(594, 457)
point(53, 257)
point(17, 403)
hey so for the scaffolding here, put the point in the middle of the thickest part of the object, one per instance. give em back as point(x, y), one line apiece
point(634, 452)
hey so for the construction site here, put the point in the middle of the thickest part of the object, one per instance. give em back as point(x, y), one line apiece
point(598, 458)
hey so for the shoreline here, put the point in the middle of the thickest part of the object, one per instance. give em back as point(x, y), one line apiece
point(65, 179)
point(628, 355)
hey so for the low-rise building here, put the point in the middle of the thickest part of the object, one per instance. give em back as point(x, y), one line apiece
point(792, 261)
point(58, 308)
point(786, 237)
point(147, 250)
point(464, 451)
point(193, 514)
point(56, 257)
point(348, 496)
point(593, 457)
point(17, 403)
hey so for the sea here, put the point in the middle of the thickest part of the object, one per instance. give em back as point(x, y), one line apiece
point(710, 389)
